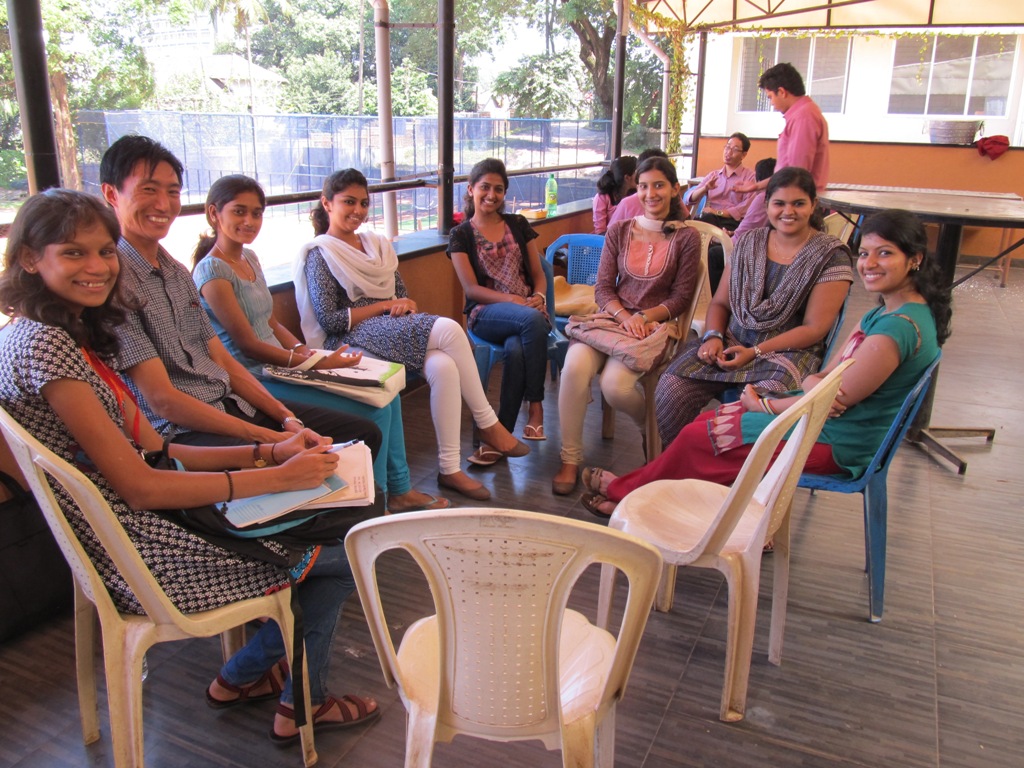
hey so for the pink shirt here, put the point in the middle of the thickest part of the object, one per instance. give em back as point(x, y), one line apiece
point(804, 140)
point(803, 143)
point(723, 197)
point(603, 209)
point(630, 207)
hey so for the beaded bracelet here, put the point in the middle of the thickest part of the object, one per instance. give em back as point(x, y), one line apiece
point(231, 485)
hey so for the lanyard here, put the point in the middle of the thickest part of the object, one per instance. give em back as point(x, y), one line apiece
point(118, 387)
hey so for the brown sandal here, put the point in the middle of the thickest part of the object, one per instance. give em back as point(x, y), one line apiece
point(245, 691)
point(363, 715)
point(594, 501)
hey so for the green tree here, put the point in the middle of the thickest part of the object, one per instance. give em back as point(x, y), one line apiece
point(95, 60)
point(542, 85)
point(410, 92)
point(593, 22)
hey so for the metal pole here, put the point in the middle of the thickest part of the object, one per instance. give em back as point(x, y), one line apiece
point(698, 110)
point(32, 81)
point(445, 115)
point(382, 32)
point(619, 83)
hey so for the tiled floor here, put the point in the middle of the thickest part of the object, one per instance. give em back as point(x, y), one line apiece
point(938, 683)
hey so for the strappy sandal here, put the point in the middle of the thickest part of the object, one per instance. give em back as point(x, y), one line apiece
point(245, 691)
point(592, 479)
point(594, 501)
point(363, 715)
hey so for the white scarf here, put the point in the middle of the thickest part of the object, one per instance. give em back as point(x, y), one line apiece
point(370, 275)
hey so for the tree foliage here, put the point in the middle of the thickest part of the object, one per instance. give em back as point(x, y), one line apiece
point(542, 85)
point(410, 92)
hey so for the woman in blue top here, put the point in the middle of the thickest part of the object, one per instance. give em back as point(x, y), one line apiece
point(893, 345)
point(235, 295)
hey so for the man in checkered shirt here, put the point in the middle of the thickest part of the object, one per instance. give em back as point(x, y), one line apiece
point(187, 383)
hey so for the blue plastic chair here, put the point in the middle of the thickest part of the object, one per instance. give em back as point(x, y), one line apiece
point(583, 256)
point(487, 353)
point(873, 485)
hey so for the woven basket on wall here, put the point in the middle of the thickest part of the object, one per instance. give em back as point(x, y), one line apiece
point(954, 131)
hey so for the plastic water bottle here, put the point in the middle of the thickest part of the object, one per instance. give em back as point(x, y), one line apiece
point(551, 196)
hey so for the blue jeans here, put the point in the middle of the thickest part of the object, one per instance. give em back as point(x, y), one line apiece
point(524, 332)
point(321, 595)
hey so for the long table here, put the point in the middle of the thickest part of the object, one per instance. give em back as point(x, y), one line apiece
point(952, 210)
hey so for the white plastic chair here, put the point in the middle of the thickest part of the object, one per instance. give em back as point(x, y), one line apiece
point(707, 525)
point(708, 233)
point(503, 658)
point(126, 637)
point(839, 226)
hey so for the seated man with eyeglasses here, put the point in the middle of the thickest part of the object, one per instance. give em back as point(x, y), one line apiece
point(726, 205)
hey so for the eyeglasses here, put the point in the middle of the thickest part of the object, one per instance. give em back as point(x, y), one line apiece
point(731, 148)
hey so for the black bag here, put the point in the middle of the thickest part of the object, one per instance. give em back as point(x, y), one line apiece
point(35, 581)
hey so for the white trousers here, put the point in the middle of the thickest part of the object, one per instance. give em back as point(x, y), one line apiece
point(450, 370)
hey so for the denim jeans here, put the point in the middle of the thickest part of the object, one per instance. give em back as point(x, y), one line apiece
point(524, 332)
point(321, 595)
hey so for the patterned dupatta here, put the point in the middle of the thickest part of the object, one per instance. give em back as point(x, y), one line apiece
point(749, 264)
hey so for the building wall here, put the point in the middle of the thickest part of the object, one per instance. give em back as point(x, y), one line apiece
point(865, 117)
point(905, 165)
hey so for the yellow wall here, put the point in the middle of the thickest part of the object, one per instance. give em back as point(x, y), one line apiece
point(905, 165)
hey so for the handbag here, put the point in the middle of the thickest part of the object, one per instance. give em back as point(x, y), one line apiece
point(603, 333)
point(35, 581)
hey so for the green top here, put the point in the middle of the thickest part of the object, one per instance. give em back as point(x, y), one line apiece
point(856, 435)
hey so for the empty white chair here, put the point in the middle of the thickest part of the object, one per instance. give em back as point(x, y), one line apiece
point(503, 658)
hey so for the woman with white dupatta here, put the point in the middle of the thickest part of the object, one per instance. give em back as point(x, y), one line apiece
point(349, 291)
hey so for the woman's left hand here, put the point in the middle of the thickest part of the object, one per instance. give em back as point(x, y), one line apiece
point(340, 358)
point(535, 302)
point(636, 326)
point(297, 443)
point(732, 358)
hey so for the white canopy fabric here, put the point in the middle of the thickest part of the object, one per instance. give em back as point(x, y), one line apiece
point(729, 15)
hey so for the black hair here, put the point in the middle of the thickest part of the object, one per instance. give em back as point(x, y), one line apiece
point(223, 191)
point(337, 182)
point(763, 169)
point(744, 141)
point(650, 152)
point(782, 75)
point(904, 230)
point(666, 167)
point(124, 154)
point(477, 172)
point(792, 176)
point(612, 181)
point(48, 218)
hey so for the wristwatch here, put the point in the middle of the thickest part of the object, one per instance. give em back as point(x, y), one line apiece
point(257, 461)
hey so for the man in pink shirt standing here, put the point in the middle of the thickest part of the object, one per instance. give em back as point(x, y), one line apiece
point(803, 142)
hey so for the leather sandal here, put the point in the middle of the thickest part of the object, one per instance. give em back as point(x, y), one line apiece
point(363, 715)
point(594, 503)
point(245, 691)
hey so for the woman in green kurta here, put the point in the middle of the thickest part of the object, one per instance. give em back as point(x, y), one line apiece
point(893, 345)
